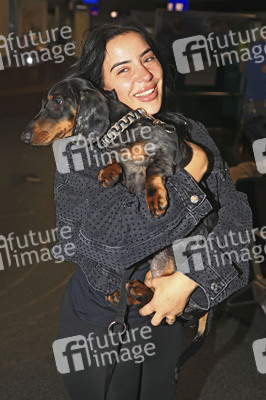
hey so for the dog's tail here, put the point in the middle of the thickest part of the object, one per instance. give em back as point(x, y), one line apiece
point(202, 333)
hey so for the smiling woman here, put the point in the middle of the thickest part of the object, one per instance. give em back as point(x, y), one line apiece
point(107, 58)
point(113, 230)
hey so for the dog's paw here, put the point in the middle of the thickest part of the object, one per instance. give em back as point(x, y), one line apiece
point(156, 199)
point(140, 294)
point(113, 298)
point(109, 175)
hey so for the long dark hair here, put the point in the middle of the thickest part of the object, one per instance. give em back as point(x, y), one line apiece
point(89, 66)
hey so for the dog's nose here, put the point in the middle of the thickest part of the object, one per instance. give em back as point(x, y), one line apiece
point(26, 137)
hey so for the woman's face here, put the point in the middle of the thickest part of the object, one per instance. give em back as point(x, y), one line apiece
point(131, 68)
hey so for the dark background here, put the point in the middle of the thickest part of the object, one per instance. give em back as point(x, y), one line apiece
point(30, 295)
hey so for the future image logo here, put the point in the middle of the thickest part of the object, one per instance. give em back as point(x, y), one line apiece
point(190, 253)
point(77, 153)
point(196, 47)
point(259, 150)
point(78, 353)
point(31, 247)
point(71, 354)
point(195, 53)
point(71, 152)
point(4, 45)
point(34, 47)
point(259, 349)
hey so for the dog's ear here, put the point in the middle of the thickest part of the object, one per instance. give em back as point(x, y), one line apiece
point(97, 111)
point(116, 108)
point(111, 93)
point(93, 114)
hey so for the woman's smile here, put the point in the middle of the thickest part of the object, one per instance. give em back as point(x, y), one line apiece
point(147, 94)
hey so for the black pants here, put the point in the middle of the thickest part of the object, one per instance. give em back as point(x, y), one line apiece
point(134, 378)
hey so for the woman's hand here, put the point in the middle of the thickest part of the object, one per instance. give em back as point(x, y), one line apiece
point(198, 164)
point(171, 294)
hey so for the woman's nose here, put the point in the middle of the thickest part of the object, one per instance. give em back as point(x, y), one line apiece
point(143, 74)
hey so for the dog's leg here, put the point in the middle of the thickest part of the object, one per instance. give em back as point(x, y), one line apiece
point(162, 264)
point(139, 294)
point(156, 194)
point(202, 325)
point(109, 175)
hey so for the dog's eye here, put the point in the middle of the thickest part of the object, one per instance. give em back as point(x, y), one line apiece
point(57, 101)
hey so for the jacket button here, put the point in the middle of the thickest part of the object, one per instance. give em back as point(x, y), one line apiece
point(223, 171)
point(194, 199)
point(214, 286)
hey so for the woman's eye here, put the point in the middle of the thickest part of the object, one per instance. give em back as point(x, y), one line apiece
point(122, 71)
point(150, 58)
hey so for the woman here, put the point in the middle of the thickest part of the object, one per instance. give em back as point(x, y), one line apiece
point(112, 230)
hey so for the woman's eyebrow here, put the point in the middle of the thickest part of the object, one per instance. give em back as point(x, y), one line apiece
point(119, 63)
point(145, 52)
point(128, 61)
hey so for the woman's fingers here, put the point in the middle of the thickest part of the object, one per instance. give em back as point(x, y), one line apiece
point(157, 319)
point(171, 294)
point(148, 275)
point(148, 309)
point(149, 282)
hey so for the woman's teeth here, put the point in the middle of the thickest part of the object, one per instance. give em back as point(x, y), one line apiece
point(145, 93)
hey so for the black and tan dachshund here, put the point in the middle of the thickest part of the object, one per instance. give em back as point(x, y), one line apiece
point(76, 102)
point(74, 106)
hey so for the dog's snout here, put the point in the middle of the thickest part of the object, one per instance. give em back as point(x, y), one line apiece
point(26, 137)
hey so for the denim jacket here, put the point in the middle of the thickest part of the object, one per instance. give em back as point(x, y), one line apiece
point(112, 229)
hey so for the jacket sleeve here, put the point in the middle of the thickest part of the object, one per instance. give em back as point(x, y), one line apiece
point(113, 227)
point(220, 263)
